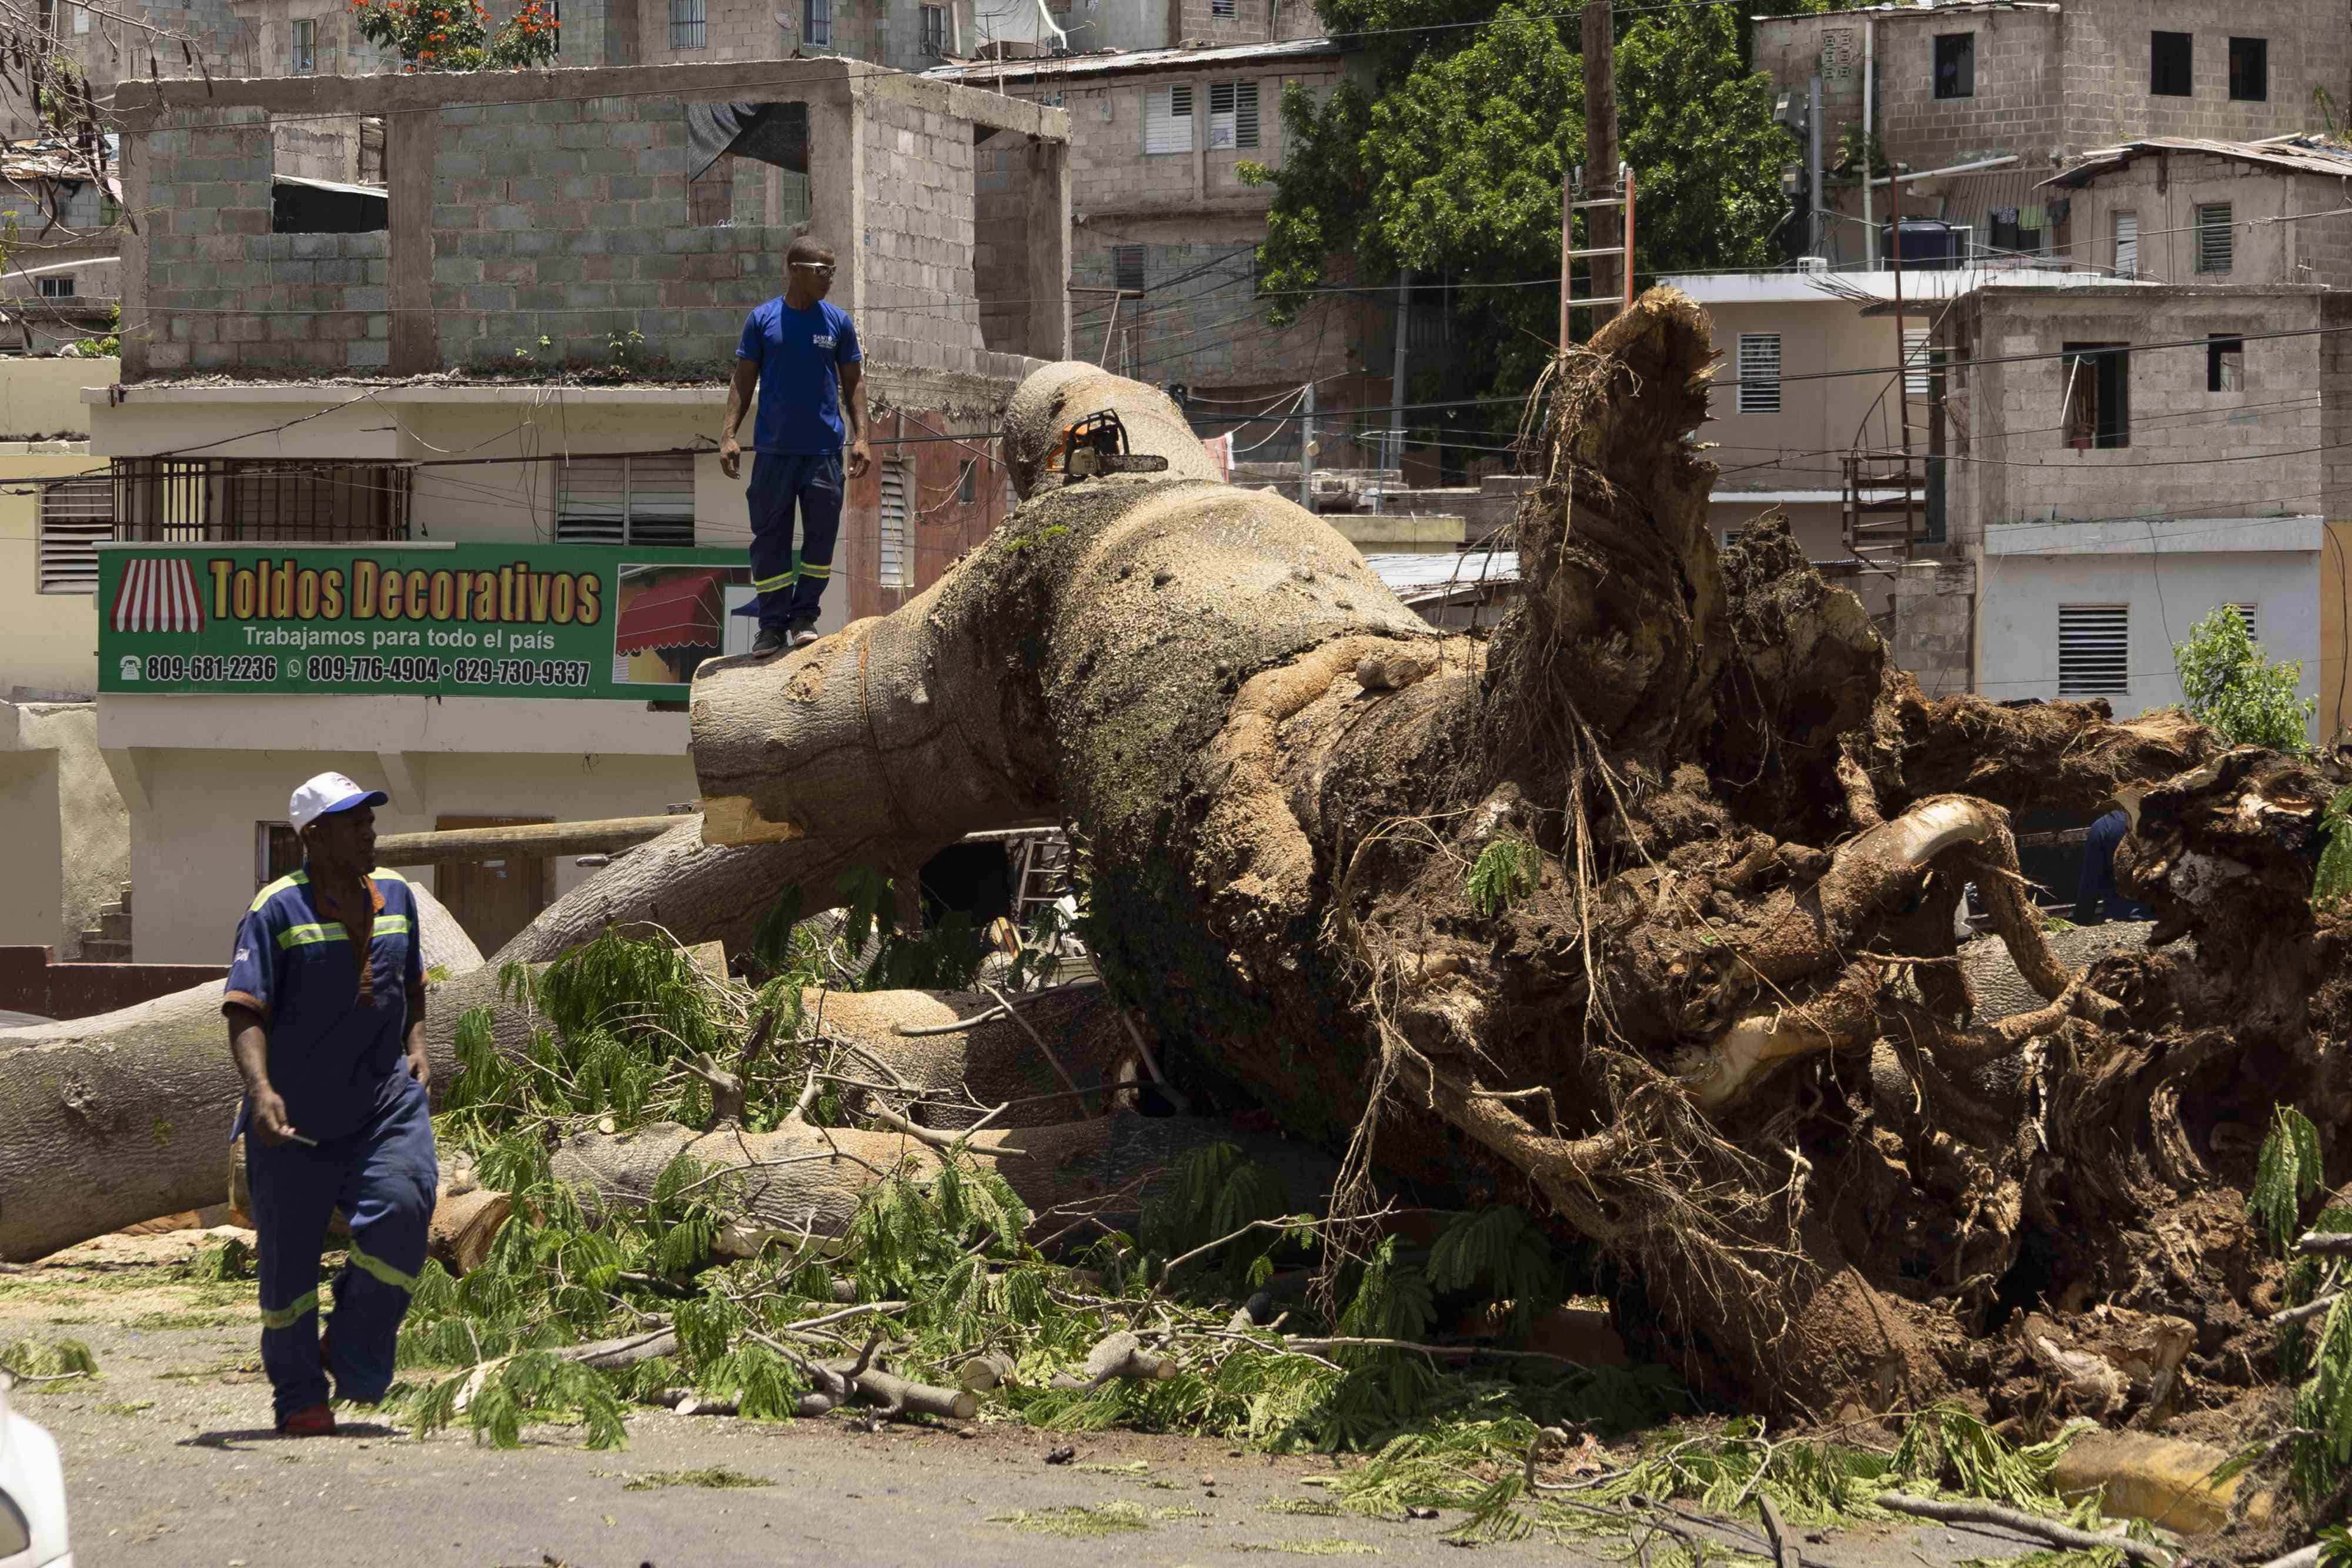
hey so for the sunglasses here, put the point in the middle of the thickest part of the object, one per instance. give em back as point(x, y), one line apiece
point(824, 267)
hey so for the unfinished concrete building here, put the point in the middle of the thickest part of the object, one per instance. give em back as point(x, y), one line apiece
point(522, 361)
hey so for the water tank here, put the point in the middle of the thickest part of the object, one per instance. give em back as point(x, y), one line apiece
point(1928, 246)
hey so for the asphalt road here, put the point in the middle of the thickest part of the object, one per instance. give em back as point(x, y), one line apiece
point(170, 1459)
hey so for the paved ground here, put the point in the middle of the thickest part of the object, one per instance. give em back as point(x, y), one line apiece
point(170, 1460)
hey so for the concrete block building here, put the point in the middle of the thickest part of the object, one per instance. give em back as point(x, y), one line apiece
point(2006, 92)
point(1163, 266)
point(2124, 458)
point(517, 378)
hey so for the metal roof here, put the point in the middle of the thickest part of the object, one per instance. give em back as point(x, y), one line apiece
point(1111, 62)
point(2293, 154)
point(1420, 578)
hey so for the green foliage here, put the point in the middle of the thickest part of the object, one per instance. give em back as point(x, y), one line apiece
point(1078, 1521)
point(32, 1358)
point(1504, 1253)
point(498, 1397)
point(1450, 164)
point(105, 347)
point(2286, 1176)
point(1216, 1191)
point(2230, 686)
point(715, 1477)
point(1506, 872)
point(2331, 884)
point(221, 1262)
point(456, 35)
point(1952, 1447)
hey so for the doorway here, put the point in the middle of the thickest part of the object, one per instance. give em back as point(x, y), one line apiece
point(493, 899)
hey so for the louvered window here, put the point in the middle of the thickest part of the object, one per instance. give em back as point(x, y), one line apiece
point(2213, 238)
point(892, 566)
point(626, 501)
point(2126, 244)
point(1221, 7)
point(77, 517)
point(2094, 650)
point(1233, 114)
point(2246, 616)
point(1127, 267)
point(1760, 373)
point(688, 23)
point(1168, 119)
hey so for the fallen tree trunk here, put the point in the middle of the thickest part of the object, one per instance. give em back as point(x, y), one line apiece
point(1647, 902)
point(445, 844)
point(800, 1182)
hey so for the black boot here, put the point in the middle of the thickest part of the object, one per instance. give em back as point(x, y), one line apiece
point(771, 641)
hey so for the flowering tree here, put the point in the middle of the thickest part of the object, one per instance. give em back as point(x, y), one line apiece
point(455, 35)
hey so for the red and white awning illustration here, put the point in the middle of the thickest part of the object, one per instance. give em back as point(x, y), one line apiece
point(158, 596)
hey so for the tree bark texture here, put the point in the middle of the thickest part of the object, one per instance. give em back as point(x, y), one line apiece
point(1708, 1009)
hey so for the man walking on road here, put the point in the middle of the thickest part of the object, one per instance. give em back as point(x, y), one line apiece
point(802, 356)
point(326, 1022)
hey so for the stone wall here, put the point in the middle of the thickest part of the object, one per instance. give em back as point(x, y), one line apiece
point(1934, 619)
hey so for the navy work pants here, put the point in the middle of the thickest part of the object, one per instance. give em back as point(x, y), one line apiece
point(780, 482)
point(383, 1178)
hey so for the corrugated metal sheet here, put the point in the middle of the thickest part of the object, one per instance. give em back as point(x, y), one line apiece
point(1429, 575)
point(1113, 62)
point(2293, 154)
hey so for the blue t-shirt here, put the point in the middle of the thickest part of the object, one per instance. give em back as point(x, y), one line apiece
point(337, 1045)
point(799, 353)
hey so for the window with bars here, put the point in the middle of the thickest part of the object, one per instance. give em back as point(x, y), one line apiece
point(710, 200)
point(2250, 69)
point(626, 501)
point(2225, 362)
point(2213, 237)
point(1127, 267)
point(58, 287)
point(77, 517)
point(276, 851)
point(306, 46)
point(2094, 650)
point(2127, 226)
point(890, 567)
point(555, 20)
point(688, 23)
point(1168, 119)
point(1760, 373)
point(816, 24)
point(261, 500)
point(935, 31)
point(2170, 60)
point(1233, 114)
point(2098, 395)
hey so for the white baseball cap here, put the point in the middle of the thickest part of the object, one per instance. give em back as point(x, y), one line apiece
point(327, 794)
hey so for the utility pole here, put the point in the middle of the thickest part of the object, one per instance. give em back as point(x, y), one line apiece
point(1392, 438)
point(1307, 451)
point(1602, 225)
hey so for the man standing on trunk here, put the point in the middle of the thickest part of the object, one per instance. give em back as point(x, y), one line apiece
point(326, 1023)
point(802, 356)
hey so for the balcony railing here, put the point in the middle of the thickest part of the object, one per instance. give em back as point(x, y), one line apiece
point(260, 500)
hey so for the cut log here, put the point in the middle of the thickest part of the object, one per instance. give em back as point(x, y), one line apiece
point(448, 844)
point(806, 1182)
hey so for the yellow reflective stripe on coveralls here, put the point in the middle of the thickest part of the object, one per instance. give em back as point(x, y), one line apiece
point(301, 936)
point(391, 926)
point(287, 1317)
point(810, 568)
point(294, 878)
point(770, 584)
point(379, 1268)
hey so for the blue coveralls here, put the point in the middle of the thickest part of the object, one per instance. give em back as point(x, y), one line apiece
point(797, 436)
point(2096, 894)
point(338, 1058)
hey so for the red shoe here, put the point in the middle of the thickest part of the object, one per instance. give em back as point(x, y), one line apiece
point(311, 1421)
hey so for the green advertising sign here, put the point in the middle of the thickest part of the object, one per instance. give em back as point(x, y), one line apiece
point(462, 619)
